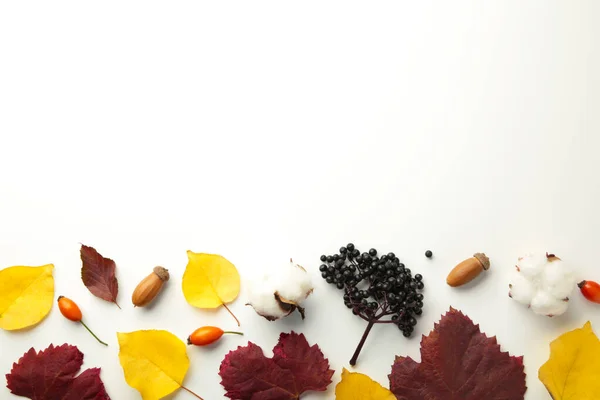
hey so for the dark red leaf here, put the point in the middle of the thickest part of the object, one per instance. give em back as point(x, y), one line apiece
point(98, 274)
point(310, 368)
point(296, 367)
point(246, 372)
point(458, 362)
point(50, 375)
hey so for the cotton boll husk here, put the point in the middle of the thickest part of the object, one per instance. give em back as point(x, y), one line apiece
point(559, 279)
point(522, 289)
point(545, 304)
point(531, 265)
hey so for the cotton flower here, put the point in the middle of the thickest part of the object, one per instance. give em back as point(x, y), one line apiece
point(543, 283)
point(281, 292)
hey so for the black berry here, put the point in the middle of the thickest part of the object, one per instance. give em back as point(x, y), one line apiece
point(389, 293)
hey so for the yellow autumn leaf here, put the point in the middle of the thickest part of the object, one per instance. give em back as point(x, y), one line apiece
point(355, 386)
point(571, 372)
point(210, 281)
point(154, 362)
point(26, 296)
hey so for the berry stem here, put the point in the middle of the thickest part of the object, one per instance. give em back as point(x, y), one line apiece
point(233, 332)
point(90, 331)
point(189, 391)
point(363, 317)
point(362, 342)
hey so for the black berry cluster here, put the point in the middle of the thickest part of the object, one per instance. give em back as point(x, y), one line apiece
point(377, 288)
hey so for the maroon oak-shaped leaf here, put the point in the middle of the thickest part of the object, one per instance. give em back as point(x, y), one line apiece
point(296, 367)
point(50, 375)
point(458, 362)
point(98, 274)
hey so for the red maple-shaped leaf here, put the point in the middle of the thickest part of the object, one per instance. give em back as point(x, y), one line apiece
point(50, 375)
point(458, 362)
point(98, 274)
point(295, 368)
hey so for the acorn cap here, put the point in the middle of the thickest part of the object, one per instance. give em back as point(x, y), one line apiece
point(483, 259)
point(162, 273)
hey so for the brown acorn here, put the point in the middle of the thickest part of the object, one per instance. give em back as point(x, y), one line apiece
point(468, 270)
point(149, 287)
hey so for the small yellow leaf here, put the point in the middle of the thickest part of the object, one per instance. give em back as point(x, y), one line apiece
point(571, 372)
point(26, 296)
point(154, 362)
point(210, 281)
point(355, 386)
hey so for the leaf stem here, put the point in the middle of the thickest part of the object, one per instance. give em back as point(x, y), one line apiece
point(362, 342)
point(233, 332)
point(234, 317)
point(90, 331)
point(188, 390)
point(115, 301)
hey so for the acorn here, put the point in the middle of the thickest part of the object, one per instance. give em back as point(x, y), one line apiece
point(468, 270)
point(149, 287)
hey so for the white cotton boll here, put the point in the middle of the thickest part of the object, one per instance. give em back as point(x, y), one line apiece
point(545, 304)
point(281, 292)
point(531, 265)
point(544, 282)
point(269, 307)
point(293, 282)
point(304, 281)
point(262, 299)
point(559, 279)
point(521, 289)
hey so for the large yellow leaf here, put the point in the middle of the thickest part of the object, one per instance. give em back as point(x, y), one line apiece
point(210, 281)
point(572, 371)
point(154, 362)
point(355, 386)
point(26, 296)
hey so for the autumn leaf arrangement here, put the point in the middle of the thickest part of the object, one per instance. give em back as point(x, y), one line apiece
point(154, 362)
point(458, 361)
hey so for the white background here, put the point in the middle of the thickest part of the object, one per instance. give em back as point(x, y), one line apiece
point(264, 130)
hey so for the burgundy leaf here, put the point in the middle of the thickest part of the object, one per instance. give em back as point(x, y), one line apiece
point(295, 368)
point(310, 367)
point(458, 362)
point(87, 385)
point(50, 375)
point(98, 274)
point(246, 372)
